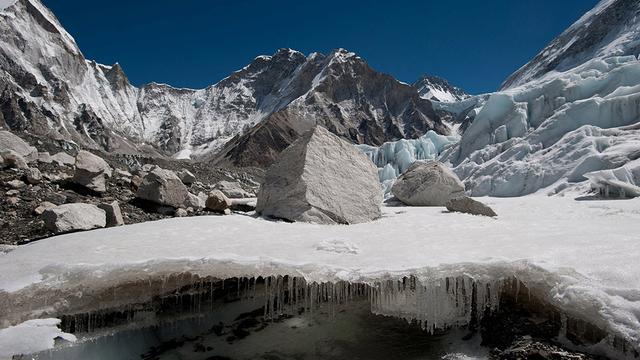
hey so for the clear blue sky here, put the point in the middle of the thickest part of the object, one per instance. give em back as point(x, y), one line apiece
point(194, 43)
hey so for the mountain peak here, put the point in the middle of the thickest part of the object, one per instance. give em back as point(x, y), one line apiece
point(438, 89)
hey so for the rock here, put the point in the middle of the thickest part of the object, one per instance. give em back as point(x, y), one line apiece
point(63, 159)
point(181, 213)
point(56, 198)
point(12, 193)
point(136, 180)
point(243, 205)
point(468, 205)
point(33, 176)
point(429, 183)
point(74, 217)
point(44, 206)
point(113, 213)
point(13, 160)
point(148, 167)
point(91, 172)
point(233, 190)
point(193, 201)
point(11, 142)
point(123, 173)
point(45, 158)
point(13, 200)
point(217, 201)
point(227, 212)
point(323, 179)
point(163, 187)
point(186, 176)
point(16, 184)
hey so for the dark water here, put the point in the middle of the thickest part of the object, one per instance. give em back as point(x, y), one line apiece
point(240, 330)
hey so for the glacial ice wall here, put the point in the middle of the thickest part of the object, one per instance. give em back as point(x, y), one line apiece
point(553, 131)
point(394, 158)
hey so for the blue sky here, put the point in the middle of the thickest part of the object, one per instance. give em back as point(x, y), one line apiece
point(194, 43)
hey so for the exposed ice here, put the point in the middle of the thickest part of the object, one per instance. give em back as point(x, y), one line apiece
point(552, 131)
point(394, 158)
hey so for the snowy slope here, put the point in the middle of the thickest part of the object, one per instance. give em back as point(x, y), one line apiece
point(438, 89)
point(609, 29)
point(579, 255)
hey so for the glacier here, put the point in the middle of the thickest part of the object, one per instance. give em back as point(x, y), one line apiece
point(579, 256)
point(549, 133)
point(394, 158)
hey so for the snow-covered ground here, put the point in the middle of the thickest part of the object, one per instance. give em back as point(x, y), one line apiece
point(582, 254)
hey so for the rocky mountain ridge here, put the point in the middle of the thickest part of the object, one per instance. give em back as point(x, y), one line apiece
point(438, 89)
point(49, 88)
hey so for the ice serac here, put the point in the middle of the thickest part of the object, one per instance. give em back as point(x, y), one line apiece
point(323, 179)
point(439, 89)
point(342, 93)
point(609, 29)
point(574, 109)
point(617, 183)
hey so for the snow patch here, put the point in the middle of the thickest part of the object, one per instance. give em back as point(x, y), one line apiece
point(31, 336)
point(338, 246)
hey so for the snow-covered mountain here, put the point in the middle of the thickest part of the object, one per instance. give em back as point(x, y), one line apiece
point(341, 92)
point(48, 87)
point(609, 29)
point(554, 129)
point(438, 89)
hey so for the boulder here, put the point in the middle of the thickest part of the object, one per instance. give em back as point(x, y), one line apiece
point(181, 213)
point(186, 176)
point(323, 179)
point(217, 201)
point(429, 183)
point(163, 187)
point(91, 172)
point(233, 190)
point(44, 206)
point(74, 217)
point(468, 205)
point(16, 184)
point(13, 160)
point(2, 163)
point(11, 142)
point(45, 158)
point(193, 201)
point(33, 176)
point(63, 159)
point(113, 213)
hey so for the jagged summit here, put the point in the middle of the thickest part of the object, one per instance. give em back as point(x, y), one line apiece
point(438, 89)
point(55, 90)
point(612, 28)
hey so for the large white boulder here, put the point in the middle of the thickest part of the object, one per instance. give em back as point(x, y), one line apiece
point(11, 142)
point(322, 179)
point(91, 171)
point(163, 187)
point(428, 183)
point(74, 217)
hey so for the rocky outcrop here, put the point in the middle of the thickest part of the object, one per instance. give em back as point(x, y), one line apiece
point(74, 217)
point(468, 205)
point(427, 184)
point(63, 158)
point(91, 172)
point(322, 179)
point(163, 187)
